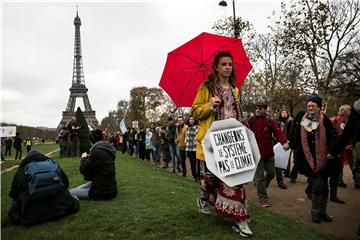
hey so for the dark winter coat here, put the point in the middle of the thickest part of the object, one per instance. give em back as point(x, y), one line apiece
point(17, 142)
point(171, 133)
point(287, 127)
point(164, 146)
point(99, 167)
point(332, 166)
point(8, 142)
point(141, 137)
point(264, 130)
point(25, 210)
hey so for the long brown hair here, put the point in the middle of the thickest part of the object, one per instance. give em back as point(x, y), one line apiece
point(213, 77)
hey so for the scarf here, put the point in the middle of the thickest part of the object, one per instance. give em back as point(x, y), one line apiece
point(310, 123)
point(320, 144)
point(219, 116)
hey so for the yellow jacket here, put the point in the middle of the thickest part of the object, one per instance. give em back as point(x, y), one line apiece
point(205, 115)
point(181, 136)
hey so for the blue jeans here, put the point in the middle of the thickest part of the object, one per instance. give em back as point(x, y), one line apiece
point(175, 156)
point(157, 155)
point(82, 191)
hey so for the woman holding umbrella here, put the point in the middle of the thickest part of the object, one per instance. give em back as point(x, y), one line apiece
point(217, 99)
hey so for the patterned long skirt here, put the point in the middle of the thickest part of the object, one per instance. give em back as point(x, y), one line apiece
point(228, 201)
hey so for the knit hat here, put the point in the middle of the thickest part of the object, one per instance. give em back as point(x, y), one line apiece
point(316, 99)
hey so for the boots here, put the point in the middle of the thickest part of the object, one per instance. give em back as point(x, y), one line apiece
point(323, 205)
point(315, 208)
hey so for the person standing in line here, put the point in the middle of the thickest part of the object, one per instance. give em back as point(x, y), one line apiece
point(174, 150)
point(141, 143)
point(164, 147)
point(148, 145)
point(265, 129)
point(217, 99)
point(180, 141)
point(339, 123)
point(336, 179)
point(125, 146)
point(132, 142)
point(155, 142)
point(284, 123)
point(18, 146)
point(8, 144)
point(190, 147)
point(311, 141)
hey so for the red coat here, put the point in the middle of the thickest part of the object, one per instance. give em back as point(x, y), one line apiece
point(264, 130)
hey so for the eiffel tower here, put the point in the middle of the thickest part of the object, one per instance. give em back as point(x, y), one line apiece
point(78, 89)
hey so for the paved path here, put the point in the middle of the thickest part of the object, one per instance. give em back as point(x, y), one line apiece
point(293, 203)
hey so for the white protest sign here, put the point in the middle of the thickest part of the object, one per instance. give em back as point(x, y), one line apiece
point(135, 124)
point(211, 164)
point(122, 126)
point(7, 131)
point(281, 156)
point(232, 151)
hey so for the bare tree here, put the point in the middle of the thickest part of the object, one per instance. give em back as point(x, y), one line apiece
point(322, 31)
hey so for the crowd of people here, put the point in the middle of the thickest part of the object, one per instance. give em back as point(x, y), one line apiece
point(321, 147)
point(310, 136)
point(68, 139)
point(164, 145)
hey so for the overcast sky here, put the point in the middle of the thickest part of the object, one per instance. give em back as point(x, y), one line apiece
point(124, 45)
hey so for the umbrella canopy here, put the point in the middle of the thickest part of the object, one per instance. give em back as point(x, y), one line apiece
point(188, 66)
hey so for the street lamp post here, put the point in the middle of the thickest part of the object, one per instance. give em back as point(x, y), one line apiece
point(223, 3)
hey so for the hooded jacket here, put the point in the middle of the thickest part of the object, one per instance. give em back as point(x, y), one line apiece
point(99, 167)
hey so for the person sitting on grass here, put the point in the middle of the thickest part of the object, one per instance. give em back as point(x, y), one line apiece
point(39, 194)
point(98, 167)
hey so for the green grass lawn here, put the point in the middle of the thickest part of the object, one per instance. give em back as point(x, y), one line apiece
point(151, 204)
point(43, 148)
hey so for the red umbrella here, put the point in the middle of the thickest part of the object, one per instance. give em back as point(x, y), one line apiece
point(188, 66)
